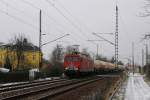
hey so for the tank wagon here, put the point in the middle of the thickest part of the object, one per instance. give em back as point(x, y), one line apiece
point(103, 67)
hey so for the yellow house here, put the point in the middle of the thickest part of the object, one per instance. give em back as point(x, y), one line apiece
point(31, 57)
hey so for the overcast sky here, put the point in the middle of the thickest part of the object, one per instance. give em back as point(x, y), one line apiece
point(79, 18)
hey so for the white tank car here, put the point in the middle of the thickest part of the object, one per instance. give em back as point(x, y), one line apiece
point(98, 64)
point(111, 66)
point(121, 67)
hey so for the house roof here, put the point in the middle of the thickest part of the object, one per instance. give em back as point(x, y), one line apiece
point(29, 47)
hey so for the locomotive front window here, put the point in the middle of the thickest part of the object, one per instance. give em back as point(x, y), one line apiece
point(72, 59)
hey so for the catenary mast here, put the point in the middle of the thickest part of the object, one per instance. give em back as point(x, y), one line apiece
point(116, 38)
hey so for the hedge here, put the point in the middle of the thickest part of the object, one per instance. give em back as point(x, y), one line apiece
point(14, 76)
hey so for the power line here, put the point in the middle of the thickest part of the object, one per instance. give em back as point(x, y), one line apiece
point(75, 18)
point(104, 39)
point(56, 22)
point(62, 14)
point(17, 19)
point(7, 4)
point(97, 40)
point(79, 21)
point(45, 13)
point(123, 23)
point(49, 2)
point(10, 6)
point(55, 39)
point(97, 46)
point(66, 18)
point(37, 8)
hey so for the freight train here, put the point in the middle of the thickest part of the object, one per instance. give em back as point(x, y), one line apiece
point(77, 64)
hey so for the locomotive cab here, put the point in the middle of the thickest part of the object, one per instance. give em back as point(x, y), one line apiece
point(72, 64)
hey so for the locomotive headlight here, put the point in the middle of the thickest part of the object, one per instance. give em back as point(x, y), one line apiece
point(66, 68)
point(76, 68)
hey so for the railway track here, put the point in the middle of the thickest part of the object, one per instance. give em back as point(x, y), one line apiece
point(44, 91)
point(27, 84)
point(21, 83)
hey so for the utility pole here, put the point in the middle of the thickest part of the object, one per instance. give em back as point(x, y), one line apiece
point(146, 46)
point(133, 56)
point(146, 58)
point(142, 60)
point(146, 37)
point(142, 57)
point(40, 40)
point(97, 46)
point(116, 39)
point(97, 49)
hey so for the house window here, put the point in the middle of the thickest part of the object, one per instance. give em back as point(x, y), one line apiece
point(33, 57)
point(1, 56)
point(22, 58)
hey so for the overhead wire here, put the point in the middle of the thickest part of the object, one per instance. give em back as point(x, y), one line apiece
point(18, 10)
point(74, 25)
point(56, 22)
point(18, 19)
point(37, 8)
point(75, 18)
point(67, 20)
point(123, 23)
point(49, 2)
point(72, 15)
point(50, 18)
point(46, 14)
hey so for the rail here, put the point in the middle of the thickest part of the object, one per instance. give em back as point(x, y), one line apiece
point(46, 90)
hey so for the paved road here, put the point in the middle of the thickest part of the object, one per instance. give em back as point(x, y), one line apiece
point(137, 89)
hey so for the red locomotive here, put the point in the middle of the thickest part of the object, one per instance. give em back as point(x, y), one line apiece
point(77, 64)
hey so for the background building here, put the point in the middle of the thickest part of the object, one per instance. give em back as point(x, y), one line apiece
point(29, 57)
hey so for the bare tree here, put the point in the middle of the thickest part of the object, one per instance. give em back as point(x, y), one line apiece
point(56, 61)
point(112, 60)
point(20, 44)
point(103, 58)
point(57, 54)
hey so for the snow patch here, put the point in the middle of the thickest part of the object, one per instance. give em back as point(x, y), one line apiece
point(137, 88)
